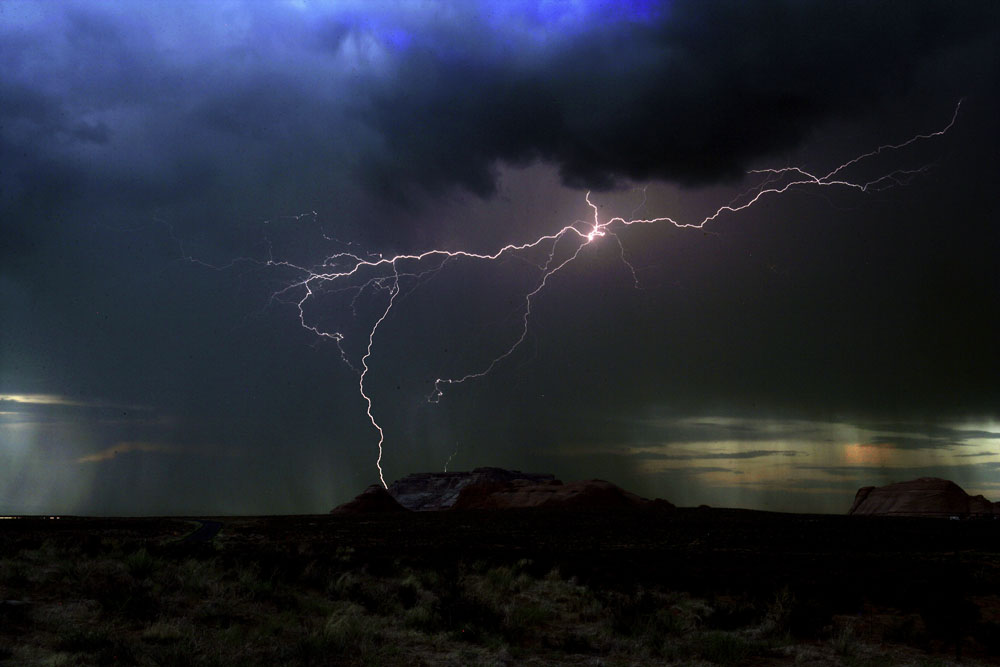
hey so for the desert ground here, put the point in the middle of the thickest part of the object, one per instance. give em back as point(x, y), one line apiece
point(654, 586)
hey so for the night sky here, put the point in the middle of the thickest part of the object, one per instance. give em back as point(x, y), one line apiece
point(172, 172)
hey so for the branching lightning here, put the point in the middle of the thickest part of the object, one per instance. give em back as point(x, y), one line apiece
point(365, 275)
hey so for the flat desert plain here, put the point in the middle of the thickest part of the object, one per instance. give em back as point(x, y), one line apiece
point(653, 586)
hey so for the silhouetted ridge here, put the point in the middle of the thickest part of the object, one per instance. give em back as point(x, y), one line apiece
point(496, 488)
point(374, 499)
point(926, 496)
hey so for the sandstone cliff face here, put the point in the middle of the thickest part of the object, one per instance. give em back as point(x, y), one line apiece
point(374, 499)
point(428, 491)
point(589, 494)
point(926, 496)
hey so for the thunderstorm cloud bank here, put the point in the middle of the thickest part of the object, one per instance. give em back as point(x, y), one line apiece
point(773, 346)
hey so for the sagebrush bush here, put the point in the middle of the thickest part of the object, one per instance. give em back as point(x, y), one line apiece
point(845, 642)
point(725, 648)
point(350, 630)
point(140, 564)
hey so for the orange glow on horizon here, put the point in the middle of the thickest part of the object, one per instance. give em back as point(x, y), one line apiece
point(868, 453)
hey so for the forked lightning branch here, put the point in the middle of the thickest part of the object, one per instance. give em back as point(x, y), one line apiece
point(365, 275)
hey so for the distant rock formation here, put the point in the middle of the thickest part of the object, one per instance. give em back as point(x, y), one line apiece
point(586, 495)
point(428, 491)
point(373, 500)
point(926, 496)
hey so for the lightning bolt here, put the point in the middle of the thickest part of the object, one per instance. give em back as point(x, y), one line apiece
point(368, 274)
point(393, 293)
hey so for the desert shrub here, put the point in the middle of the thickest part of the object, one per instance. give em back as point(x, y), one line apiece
point(627, 611)
point(344, 555)
point(107, 582)
point(464, 612)
point(906, 630)
point(988, 634)
point(163, 632)
point(808, 615)
point(868, 660)
point(199, 577)
point(673, 650)
point(278, 625)
point(947, 615)
point(375, 594)
point(134, 601)
point(13, 613)
point(408, 591)
point(734, 614)
point(778, 617)
point(668, 622)
point(85, 640)
point(13, 573)
point(253, 584)
point(342, 586)
point(67, 571)
point(423, 618)
point(470, 619)
point(575, 642)
point(505, 581)
point(181, 653)
point(501, 602)
point(568, 594)
point(90, 545)
point(431, 580)
point(845, 642)
point(218, 614)
point(583, 602)
point(317, 573)
point(520, 619)
point(725, 648)
point(350, 630)
point(140, 564)
point(653, 615)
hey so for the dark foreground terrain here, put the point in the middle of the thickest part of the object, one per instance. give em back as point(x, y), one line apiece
point(511, 587)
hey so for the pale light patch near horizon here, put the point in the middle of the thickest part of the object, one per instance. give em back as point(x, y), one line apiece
point(126, 447)
point(865, 453)
point(43, 399)
point(60, 400)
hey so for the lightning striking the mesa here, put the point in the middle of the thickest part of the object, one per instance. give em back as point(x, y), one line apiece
point(374, 276)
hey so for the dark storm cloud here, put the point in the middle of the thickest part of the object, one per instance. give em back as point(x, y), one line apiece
point(910, 443)
point(933, 432)
point(693, 95)
point(696, 470)
point(697, 430)
point(802, 484)
point(948, 471)
point(927, 437)
point(411, 98)
point(754, 454)
point(115, 106)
